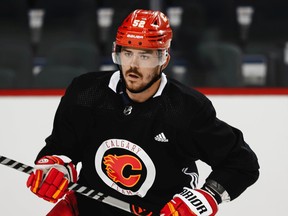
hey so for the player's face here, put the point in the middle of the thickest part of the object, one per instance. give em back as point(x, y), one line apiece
point(140, 68)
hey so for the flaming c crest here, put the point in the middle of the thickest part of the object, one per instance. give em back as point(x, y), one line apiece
point(115, 167)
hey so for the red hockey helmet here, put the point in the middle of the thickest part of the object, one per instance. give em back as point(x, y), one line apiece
point(145, 29)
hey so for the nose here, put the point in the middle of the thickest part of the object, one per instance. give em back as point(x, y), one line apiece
point(134, 61)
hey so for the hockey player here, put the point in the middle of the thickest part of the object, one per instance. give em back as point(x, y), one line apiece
point(138, 134)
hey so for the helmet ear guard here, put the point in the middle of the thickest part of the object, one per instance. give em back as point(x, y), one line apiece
point(115, 49)
point(114, 58)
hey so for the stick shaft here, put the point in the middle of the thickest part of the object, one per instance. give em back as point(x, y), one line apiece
point(81, 189)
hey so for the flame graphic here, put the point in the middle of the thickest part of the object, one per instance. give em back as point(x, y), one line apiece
point(115, 166)
point(140, 211)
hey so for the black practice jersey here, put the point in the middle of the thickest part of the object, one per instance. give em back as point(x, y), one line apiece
point(144, 153)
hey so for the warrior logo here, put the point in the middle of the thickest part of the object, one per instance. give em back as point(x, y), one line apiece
point(125, 167)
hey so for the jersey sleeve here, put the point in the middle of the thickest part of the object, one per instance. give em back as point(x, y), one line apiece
point(70, 125)
point(222, 146)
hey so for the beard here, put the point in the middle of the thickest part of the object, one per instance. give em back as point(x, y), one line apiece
point(138, 89)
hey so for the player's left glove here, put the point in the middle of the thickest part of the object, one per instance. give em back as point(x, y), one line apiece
point(191, 203)
point(51, 178)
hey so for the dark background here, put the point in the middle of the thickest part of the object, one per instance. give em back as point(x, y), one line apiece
point(209, 48)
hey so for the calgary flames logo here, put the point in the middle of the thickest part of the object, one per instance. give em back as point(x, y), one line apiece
point(116, 165)
point(125, 167)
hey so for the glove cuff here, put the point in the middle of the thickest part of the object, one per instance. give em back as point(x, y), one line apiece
point(72, 172)
point(217, 191)
point(62, 163)
point(199, 201)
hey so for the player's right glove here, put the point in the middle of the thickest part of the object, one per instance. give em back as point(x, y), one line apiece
point(191, 203)
point(51, 178)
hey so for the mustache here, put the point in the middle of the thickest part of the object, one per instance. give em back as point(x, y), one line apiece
point(135, 71)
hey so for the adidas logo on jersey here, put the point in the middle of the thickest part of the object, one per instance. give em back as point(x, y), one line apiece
point(161, 138)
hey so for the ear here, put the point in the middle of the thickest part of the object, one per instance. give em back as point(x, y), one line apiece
point(167, 62)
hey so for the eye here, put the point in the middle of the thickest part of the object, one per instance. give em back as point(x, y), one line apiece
point(127, 54)
point(144, 57)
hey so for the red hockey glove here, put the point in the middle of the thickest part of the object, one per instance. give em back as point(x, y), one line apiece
point(191, 203)
point(51, 178)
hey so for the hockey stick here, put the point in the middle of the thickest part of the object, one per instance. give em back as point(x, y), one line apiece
point(136, 210)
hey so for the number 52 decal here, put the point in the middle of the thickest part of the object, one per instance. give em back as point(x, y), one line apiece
point(139, 23)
